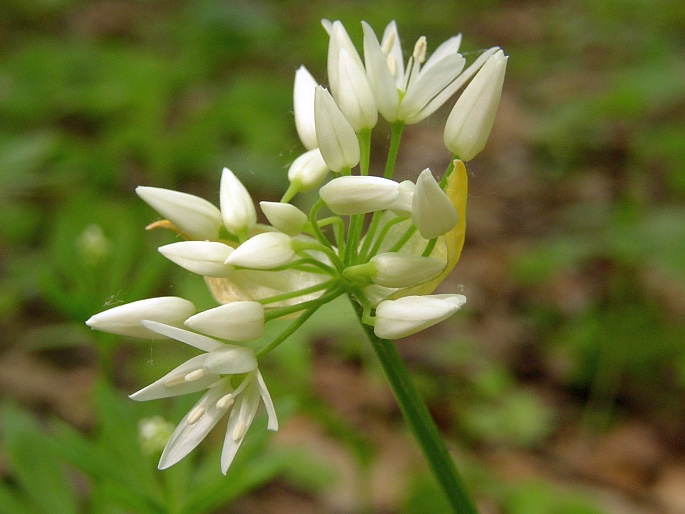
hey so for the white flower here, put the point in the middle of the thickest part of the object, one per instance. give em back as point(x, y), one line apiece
point(284, 217)
point(396, 270)
point(411, 314)
point(348, 81)
point(193, 216)
point(336, 138)
point(303, 103)
point(470, 122)
point(236, 321)
point(127, 319)
point(412, 94)
point(354, 194)
point(399, 270)
point(432, 211)
point(213, 371)
point(206, 258)
point(308, 170)
point(263, 252)
point(237, 207)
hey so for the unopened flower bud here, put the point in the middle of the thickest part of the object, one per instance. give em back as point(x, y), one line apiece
point(411, 314)
point(284, 217)
point(263, 251)
point(206, 258)
point(237, 321)
point(308, 170)
point(356, 194)
point(303, 101)
point(127, 319)
point(237, 207)
point(470, 122)
point(336, 138)
point(397, 270)
point(193, 216)
point(432, 211)
point(349, 84)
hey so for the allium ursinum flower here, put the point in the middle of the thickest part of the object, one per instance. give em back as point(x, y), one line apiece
point(387, 246)
point(263, 251)
point(234, 386)
point(336, 137)
point(348, 82)
point(303, 107)
point(236, 321)
point(284, 217)
point(207, 258)
point(413, 93)
point(470, 122)
point(431, 210)
point(196, 218)
point(308, 171)
point(237, 207)
point(359, 194)
point(411, 314)
point(127, 319)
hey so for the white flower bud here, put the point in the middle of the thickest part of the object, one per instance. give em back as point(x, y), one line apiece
point(237, 207)
point(284, 217)
point(400, 270)
point(432, 211)
point(237, 321)
point(127, 319)
point(411, 314)
point(303, 101)
point(195, 217)
point(336, 138)
point(349, 84)
point(356, 194)
point(206, 258)
point(308, 170)
point(470, 122)
point(263, 251)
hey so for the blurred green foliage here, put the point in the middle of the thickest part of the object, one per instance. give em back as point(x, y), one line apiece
point(98, 97)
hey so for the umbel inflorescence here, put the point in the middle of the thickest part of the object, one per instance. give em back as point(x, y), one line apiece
point(385, 244)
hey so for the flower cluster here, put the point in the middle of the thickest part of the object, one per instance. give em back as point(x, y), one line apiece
point(383, 243)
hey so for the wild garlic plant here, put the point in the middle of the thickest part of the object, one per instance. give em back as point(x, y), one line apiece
point(384, 244)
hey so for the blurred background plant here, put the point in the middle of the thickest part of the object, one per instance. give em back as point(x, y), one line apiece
point(559, 387)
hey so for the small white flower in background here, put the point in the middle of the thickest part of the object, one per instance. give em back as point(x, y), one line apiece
point(127, 319)
point(400, 318)
point(212, 371)
point(336, 137)
point(207, 258)
point(469, 124)
point(154, 433)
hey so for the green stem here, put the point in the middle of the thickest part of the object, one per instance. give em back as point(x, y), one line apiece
point(420, 421)
point(395, 137)
point(364, 150)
